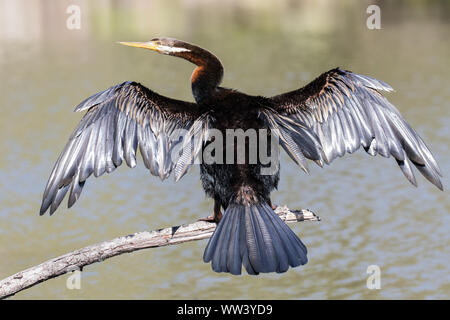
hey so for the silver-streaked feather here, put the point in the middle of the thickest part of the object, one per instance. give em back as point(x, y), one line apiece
point(118, 121)
point(344, 111)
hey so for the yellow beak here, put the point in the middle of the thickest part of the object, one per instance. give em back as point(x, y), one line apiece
point(146, 45)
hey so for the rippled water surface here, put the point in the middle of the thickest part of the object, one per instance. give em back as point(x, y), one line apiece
point(370, 214)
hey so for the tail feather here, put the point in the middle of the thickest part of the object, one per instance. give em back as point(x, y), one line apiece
point(220, 255)
point(294, 248)
point(253, 236)
point(234, 259)
point(282, 256)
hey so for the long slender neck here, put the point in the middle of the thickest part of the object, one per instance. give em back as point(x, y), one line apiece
point(207, 76)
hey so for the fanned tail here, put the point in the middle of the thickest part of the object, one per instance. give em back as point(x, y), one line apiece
point(256, 237)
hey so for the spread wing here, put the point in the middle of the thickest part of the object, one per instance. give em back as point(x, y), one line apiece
point(118, 121)
point(340, 111)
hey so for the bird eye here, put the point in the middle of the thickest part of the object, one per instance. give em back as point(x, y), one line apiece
point(156, 40)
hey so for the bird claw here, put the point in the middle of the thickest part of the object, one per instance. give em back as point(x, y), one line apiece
point(207, 219)
point(212, 218)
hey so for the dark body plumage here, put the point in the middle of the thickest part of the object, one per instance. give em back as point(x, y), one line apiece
point(236, 110)
point(250, 233)
point(336, 113)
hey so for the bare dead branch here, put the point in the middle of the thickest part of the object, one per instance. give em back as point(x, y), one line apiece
point(77, 259)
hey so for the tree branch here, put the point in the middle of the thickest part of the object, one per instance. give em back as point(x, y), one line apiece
point(77, 259)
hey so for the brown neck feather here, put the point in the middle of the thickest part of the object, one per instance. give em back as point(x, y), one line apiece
point(207, 76)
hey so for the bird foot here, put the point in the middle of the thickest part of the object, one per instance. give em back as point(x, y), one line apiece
point(212, 218)
point(207, 219)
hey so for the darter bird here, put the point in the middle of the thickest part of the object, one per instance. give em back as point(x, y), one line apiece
point(333, 115)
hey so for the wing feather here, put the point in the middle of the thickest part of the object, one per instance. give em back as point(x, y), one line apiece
point(342, 111)
point(118, 121)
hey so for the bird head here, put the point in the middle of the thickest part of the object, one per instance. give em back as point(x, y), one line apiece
point(168, 46)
